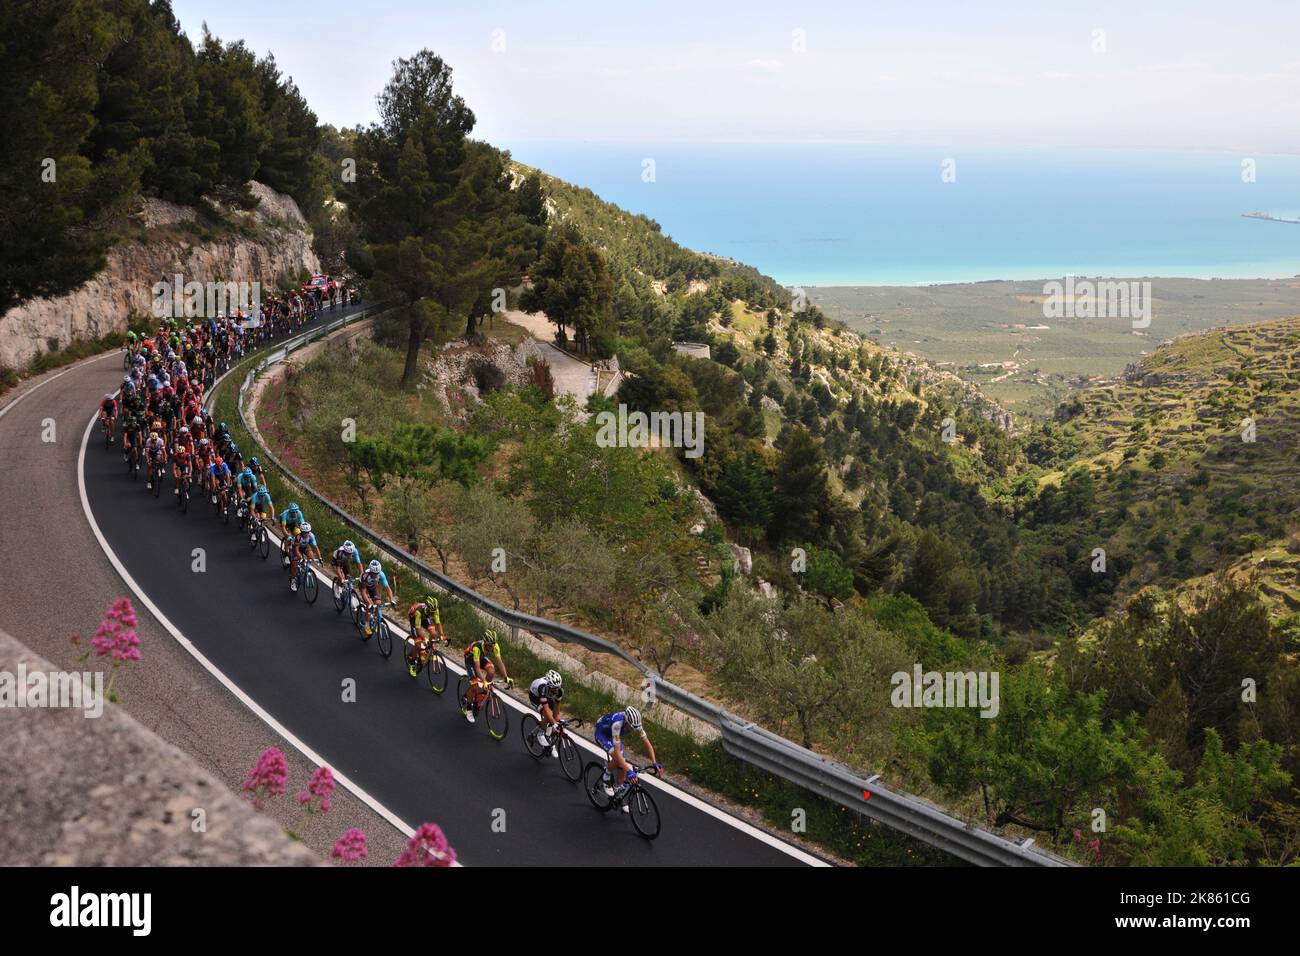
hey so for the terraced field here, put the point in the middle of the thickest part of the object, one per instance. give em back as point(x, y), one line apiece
point(1196, 459)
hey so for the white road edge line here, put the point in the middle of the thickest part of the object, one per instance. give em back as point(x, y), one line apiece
point(211, 668)
point(689, 799)
point(41, 384)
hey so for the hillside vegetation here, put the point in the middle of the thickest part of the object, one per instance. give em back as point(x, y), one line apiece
point(1186, 467)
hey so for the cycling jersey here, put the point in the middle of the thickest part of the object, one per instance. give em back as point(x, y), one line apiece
point(221, 472)
point(307, 540)
point(609, 729)
point(247, 480)
point(343, 559)
point(291, 518)
point(262, 501)
point(371, 581)
point(476, 651)
point(421, 615)
point(108, 406)
point(539, 690)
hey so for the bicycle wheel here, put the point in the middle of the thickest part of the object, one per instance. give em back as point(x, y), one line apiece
point(498, 722)
point(595, 787)
point(529, 726)
point(356, 611)
point(462, 692)
point(385, 639)
point(644, 812)
point(183, 499)
point(340, 596)
point(570, 759)
point(263, 543)
point(309, 587)
point(436, 672)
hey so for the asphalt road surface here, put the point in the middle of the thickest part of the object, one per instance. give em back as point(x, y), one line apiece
point(407, 748)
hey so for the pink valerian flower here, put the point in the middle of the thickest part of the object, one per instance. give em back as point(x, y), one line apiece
point(115, 634)
point(74, 640)
point(1093, 845)
point(320, 787)
point(268, 776)
point(350, 847)
point(428, 847)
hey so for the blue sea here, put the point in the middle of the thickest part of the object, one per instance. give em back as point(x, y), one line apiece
point(878, 215)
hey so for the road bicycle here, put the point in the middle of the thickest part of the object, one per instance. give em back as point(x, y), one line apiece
point(374, 615)
point(259, 539)
point(490, 705)
point(425, 656)
point(183, 490)
point(345, 596)
point(306, 579)
point(638, 800)
point(157, 469)
point(222, 503)
point(570, 756)
point(132, 455)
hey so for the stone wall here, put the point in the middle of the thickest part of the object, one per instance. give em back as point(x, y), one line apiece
point(106, 791)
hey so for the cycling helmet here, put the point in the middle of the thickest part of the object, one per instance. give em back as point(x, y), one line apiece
point(490, 635)
point(349, 547)
point(254, 463)
point(553, 679)
point(153, 435)
point(633, 717)
point(293, 506)
point(431, 601)
point(108, 396)
point(197, 421)
point(306, 528)
point(219, 461)
point(185, 430)
point(203, 443)
point(221, 429)
point(374, 567)
point(261, 490)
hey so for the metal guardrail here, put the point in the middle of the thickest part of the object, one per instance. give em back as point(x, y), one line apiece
point(741, 738)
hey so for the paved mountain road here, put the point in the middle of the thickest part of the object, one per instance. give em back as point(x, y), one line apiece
point(58, 582)
point(406, 748)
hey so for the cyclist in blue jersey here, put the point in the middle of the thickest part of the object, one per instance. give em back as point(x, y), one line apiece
point(609, 730)
point(246, 483)
point(304, 549)
point(291, 520)
point(372, 579)
point(219, 472)
point(261, 504)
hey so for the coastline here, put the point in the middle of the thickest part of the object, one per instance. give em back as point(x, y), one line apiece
point(1294, 274)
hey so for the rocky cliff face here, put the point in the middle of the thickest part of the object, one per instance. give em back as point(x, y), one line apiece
point(279, 245)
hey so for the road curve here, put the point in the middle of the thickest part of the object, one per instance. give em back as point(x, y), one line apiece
point(407, 749)
point(58, 582)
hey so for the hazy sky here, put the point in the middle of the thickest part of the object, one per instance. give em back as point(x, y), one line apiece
point(1182, 73)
